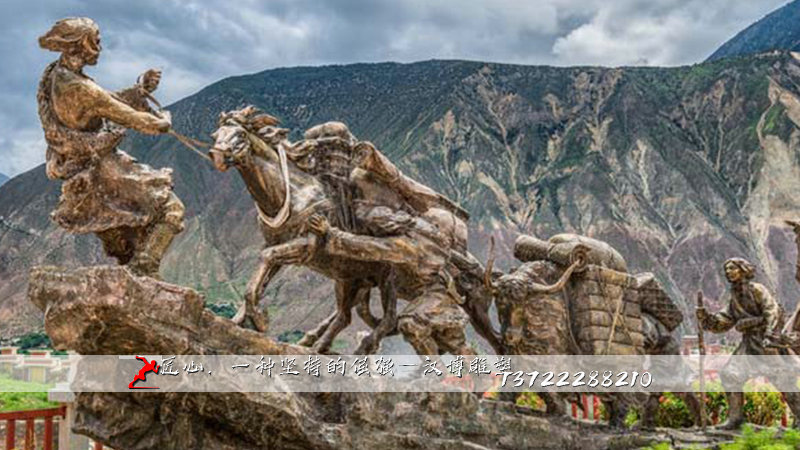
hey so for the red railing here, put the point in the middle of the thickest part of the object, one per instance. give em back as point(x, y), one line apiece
point(587, 401)
point(29, 417)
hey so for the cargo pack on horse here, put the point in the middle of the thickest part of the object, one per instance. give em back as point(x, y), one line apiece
point(574, 295)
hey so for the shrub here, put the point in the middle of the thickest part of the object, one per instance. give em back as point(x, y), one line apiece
point(659, 446)
point(491, 394)
point(673, 412)
point(716, 401)
point(631, 417)
point(36, 339)
point(752, 440)
point(764, 406)
point(291, 336)
point(604, 412)
point(225, 310)
point(339, 345)
point(531, 400)
point(20, 401)
point(792, 437)
point(763, 440)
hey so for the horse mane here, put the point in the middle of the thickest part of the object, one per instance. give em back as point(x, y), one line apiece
point(257, 122)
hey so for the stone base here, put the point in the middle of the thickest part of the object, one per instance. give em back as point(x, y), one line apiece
point(107, 310)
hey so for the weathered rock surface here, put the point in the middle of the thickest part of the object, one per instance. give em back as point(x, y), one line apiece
point(106, 310)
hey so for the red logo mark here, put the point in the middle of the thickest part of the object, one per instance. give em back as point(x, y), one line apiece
point(142, 375)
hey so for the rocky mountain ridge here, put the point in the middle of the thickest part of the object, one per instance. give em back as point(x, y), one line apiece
point(775, 31)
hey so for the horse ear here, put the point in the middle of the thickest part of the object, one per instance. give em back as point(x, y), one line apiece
point(262, 120)
point(223, 117)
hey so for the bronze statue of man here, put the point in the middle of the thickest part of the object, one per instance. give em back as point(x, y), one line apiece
point(129, 206)
point(753, 311)
point(417, 247)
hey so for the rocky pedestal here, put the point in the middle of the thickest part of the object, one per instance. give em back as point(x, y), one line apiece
point(107, 310)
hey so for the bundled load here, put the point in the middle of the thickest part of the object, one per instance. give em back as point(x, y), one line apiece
point(603, 301)
point(606, 312)
point(655, 301)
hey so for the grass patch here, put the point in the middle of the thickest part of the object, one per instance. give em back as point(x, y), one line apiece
point(752, 440)
point(10, 385)
point(21, 401)
point(17, 395)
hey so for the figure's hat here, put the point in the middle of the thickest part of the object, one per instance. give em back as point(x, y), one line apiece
point(67, 33)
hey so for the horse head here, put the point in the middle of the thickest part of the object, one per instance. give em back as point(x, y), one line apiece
point(235, 134)
point(249, 140)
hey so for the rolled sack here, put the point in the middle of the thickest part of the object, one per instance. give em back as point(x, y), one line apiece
point(329, 129)
point(560, 249)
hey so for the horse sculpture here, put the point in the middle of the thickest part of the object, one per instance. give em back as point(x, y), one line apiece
point(285, 197)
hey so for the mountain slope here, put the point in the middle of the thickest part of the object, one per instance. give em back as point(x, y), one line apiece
point(778, 30)
point(679, 168)
point(3, 178)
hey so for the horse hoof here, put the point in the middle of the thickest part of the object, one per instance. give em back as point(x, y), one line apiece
point(259, 322)
point(239, 317)
point(319, 348)
point(367, 347)
point(307, 340)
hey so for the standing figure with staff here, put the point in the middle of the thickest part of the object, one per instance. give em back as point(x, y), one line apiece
point(752, 311)
point(701, 347)
point(791, 331)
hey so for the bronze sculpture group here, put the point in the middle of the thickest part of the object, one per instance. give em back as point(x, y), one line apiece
point(337, 205)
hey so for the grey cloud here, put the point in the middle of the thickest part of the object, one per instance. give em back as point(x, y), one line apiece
point(675, 32)
point(196, 43)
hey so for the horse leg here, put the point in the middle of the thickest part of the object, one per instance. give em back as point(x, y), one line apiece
point(363, 311)
point(272, 259)
point(389, 320)
point(312, 336)
point(362, 308)
point(479, 317)
point(347, 294)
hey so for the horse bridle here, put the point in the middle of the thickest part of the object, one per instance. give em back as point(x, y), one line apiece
point(253, 139)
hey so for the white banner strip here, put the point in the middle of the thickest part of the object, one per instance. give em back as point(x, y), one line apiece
point(399, 373)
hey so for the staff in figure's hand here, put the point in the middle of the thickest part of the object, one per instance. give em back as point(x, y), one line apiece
point(701, 347)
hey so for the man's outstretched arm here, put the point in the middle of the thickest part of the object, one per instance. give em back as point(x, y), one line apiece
point(395, 249)
point(100, 103)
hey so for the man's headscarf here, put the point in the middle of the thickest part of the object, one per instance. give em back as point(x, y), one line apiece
point(67, 34)
point(748, 270)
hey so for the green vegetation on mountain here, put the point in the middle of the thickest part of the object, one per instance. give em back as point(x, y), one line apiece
point(776, 31)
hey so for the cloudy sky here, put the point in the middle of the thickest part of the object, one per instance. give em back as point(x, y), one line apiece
point(198, 42)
